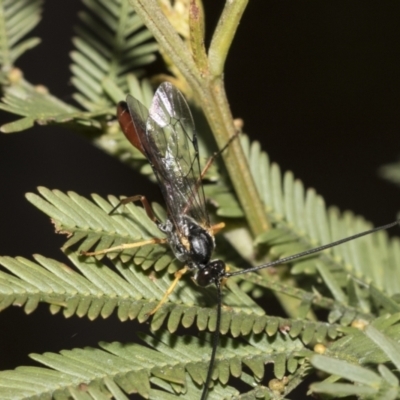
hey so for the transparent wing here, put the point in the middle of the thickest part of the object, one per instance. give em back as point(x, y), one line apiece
point(172, 143)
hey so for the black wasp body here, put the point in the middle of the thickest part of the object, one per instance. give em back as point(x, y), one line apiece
point(166, 135)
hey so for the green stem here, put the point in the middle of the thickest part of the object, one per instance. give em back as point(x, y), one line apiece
point(157, 23)
point(217, 111)
point(224, 34)
point(196, 25)
point(210, 90)
point(316, 300)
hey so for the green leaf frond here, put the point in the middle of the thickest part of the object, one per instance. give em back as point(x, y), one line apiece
point(98, 291)
point(370, 359)
point(173, 363)
point(301, 221)
point(17, 19)
point(101, 71)
point(91, 225)
point(357, 345)
point(36, 105)
point(102, 61)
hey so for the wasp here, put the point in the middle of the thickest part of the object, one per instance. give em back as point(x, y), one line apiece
point(165, 134)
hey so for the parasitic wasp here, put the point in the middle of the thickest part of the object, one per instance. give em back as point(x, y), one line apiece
point(166, 135)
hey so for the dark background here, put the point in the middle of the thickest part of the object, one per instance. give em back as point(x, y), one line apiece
point(316, 82)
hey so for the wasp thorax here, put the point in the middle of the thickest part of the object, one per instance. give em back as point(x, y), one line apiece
point(193, 244)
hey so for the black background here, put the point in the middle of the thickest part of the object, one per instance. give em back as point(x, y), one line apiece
point(316, 82)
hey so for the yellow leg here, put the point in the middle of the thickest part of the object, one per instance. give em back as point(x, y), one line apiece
point(216, 228)
point(223, 281)
point(124, 247)
point(178, 275)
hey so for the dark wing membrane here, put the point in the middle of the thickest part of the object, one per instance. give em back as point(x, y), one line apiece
point(172, 142)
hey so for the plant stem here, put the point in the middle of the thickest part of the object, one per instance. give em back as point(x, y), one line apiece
point(196, 25)
point(224, 34)
point(297, 293)
point(151, 14)
point(217, 111)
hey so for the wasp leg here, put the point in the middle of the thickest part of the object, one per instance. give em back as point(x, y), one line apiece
point(217, 227)
point(225, 278)
point(218, 153)
point(124, 247)
point(178, 275)
point(146, 205)
point(150, 214)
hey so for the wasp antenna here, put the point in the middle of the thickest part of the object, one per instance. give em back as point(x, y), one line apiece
point(215, 342)
point(313, 251)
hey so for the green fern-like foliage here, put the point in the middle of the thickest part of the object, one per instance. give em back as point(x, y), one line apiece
point(101, 65)
point(35, 104)
point(342, 304)
point(100, 59)
point(377, 346)
point(17, 19)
